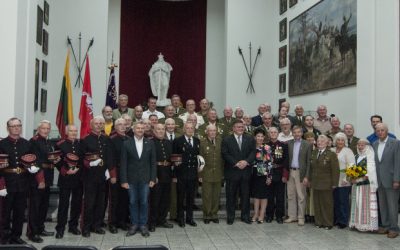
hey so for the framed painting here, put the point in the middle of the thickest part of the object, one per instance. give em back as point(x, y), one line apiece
point(282, 56)
point(282, 83)
point(45, 47)
point(36, 102)
point(292, 3)
point(46, 12)
point(282, 6)
point(39, 26)
point(283, 30)
point(323, 47)
point(44, 71)
point(43, 100)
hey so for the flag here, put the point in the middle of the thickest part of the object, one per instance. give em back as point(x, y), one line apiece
point(86, 109)
point(65, 115)
point(111, 96)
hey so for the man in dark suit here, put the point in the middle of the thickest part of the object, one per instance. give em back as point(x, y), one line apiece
point(188, 147)
point(351, 139)
point(257, 120)
point(298, 119)
point(387, 153)
point(238, 151)
point(138, 172)
point(248, 128)
point(299, 161)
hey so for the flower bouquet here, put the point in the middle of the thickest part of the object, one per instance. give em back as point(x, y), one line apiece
point(355, 172)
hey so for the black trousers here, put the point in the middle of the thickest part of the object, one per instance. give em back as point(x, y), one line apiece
point(232, 188)
point(38, 206)
point(93, 206)
point(75, 194)
point(276, 202)
point(12, 214)
point(118, 205)
point(159, 203)
point(185, 190)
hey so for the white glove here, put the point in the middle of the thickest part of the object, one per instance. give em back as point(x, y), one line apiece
point(107, 174)
point(95, 163)
point(33, 169)
point(3, 192)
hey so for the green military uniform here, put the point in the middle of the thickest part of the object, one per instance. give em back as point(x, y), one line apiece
point(117, 113)
point(211, 175)
point(173, 197)
point(249, 130)
point(353, 144)
point(179, 112)
point(178, 122)
point(228, 124)
point(323, 175)
point(221, 130)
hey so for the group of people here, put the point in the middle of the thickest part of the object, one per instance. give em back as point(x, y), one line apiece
point(139, 166)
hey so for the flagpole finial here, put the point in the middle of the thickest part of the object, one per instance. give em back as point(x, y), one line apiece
point(113, 65)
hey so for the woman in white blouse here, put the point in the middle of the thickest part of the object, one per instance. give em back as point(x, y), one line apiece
point(342, 192)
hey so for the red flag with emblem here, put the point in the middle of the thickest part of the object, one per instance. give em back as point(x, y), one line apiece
point(86, 109)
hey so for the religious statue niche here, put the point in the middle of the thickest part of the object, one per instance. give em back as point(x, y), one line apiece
point(160, 74)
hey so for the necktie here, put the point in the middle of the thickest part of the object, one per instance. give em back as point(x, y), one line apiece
point(190, 141)
point(319, 154)
point(212, 142)
point(348, 142)
point(170, 137)
point(176, 111)
point(240, 142)
point(248, 129)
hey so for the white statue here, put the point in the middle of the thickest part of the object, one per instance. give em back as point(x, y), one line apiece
point(160, 74)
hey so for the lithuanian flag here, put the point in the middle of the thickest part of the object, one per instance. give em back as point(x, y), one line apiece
point(65, 115)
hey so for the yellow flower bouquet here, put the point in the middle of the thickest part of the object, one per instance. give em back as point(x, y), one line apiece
point(355, 172)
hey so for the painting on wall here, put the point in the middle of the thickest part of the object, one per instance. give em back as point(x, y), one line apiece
point(36, 103)
point(282, 83)
point(282, 6)
point(45, 47)
point(39, 25)
point(43, 100)
point(283, 30)
point(282, 56)
point(44, 71)
point(323, 47)
point(46, 12)
point(292, 3)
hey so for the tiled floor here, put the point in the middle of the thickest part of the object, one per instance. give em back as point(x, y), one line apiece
point(236, 236)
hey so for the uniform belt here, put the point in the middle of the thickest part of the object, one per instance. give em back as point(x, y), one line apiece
point(294, 169)
point(47, 165)
point(164, 163)
point(14, 170)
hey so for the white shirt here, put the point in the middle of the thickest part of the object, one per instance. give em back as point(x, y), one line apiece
point(139, 146)
point(169, 135)
point(284, 138)
point(191, 140)
point(381, 147)
point(147, 113)
point(200, 120)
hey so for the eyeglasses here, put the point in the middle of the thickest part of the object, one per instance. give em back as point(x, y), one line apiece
point(15, 126)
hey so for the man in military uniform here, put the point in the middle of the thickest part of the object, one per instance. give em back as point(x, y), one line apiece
point(14, 182)
point(267, 120)
point(323, 176)
point(169, 112)
point(122, 108)
point(280, 174)
point(118, 207)
point(39, 198)
point(186, 172)
point(69, 182)
point(212, 118)
point(160, 193)
point(248, 128)
point(228, 120)
point(204, 107)
point(177, 104)
point(97, 149)
point(211, 176)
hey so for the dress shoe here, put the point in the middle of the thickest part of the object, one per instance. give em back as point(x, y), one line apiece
point(99, 231)
point(45, 233)
point(74, 231)
point(382, 230)
point(144, 231)
point(36, 238)
point(392, 234)
point(192, 223)
point(17, 241)
point(279, 221)
point(86, 234)
point(229, 221)
point(132, 230)
point(181, 223)
point(290, 220)
point(166, 225)
point(59, 235)
point(215, 220)
point(113, 229)
point(152, 228)
point(268, 220)
point(206, 221)
point(300, 222)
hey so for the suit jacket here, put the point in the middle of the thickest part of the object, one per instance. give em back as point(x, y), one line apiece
point(296, 121)
point(388, 168)
point(256, 121)
point(251, 130)
point(232, 155)
point(188, 168)
point(304, 156)
point(134, 169)
point(324, 171)
point(353, 144)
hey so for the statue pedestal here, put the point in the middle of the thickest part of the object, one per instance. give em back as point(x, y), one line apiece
point(163, 103)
